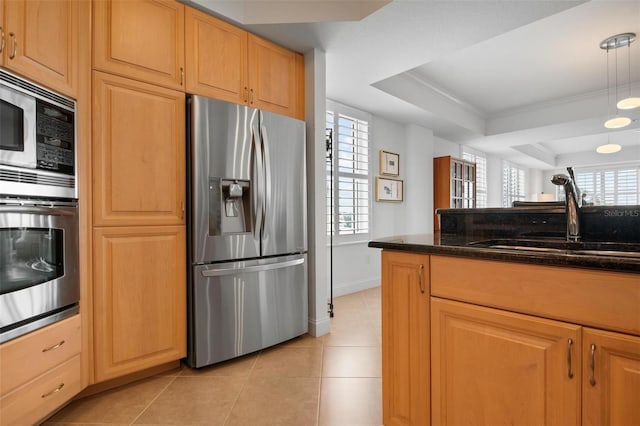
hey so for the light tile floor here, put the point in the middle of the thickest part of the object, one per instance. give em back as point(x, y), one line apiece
point(333, 380)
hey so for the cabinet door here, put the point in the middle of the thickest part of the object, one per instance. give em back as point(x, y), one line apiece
point(216, 58)
point(139, 298)
point(272, 77)
point(492, 367)
point(405, 339)
point(611, 379)
point(3, 34)
point(141, 39)
point(42, 41)
point(138, 154)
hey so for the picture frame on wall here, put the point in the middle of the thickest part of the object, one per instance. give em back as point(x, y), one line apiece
point(389, 189)
point(389, 163)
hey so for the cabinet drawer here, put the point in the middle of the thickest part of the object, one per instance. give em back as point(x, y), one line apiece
point(29, 356)
point(601, 299)
point(40, 397)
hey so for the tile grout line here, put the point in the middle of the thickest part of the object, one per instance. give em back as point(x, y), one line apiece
point(235, 401)
point(155, 398)
point(320, 385)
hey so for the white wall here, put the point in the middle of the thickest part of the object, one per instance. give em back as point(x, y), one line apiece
point(355, 265)
point(315, 88)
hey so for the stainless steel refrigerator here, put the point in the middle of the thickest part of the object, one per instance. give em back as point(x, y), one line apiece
point(247, 230)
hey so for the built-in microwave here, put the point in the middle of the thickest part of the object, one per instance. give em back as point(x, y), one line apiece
point(37, 140)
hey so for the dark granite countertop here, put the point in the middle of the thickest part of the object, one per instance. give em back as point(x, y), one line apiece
point(464, 247)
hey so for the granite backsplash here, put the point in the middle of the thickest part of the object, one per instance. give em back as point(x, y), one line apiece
point(597, 223)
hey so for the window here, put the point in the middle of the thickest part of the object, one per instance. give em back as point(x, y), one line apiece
point(610, 186)
point(513, 184)
point(348, 210)
point(481, 176)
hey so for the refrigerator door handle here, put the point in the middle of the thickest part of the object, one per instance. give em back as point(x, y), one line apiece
point(258, 193)
point(267, 177)
point(256, 268)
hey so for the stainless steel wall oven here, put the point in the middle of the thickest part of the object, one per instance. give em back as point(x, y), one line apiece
point(38, 264)
point(39, 280)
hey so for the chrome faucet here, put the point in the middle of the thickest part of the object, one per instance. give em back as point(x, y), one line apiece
point(573, 202)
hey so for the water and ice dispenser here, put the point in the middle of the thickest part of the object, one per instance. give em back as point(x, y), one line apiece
point(229, 206)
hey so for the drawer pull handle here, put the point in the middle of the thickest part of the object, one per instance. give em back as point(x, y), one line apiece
point(569, 346)
point(592, 366)
point(56, 390)
point(1, 40)
point(56, 346)
point(14, 39)
point(420, 278)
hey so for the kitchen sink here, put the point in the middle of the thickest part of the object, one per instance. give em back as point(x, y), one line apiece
point(590, 248)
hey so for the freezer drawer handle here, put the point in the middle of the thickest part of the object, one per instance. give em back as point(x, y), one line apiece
point(257, 268)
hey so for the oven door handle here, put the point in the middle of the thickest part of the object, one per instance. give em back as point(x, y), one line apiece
point(49, 211)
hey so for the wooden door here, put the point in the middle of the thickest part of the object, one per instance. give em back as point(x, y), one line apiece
point(42, 42)
point(611, 379)
point(492, 367)
point(141, 39)
point(272, 77)
point(139, 153)
point(405, 339)
point(139, 298)
point(216, 58)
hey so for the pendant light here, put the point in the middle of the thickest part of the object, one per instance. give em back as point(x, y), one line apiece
point(608, 148)
point(630, 102)
point(614, 42)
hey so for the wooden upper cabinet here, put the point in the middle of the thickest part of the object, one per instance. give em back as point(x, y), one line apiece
point(405, 339)
point(216, 58)
point(142, 39)
point(611, 379)
point(225, 62)
point(41, 41)
point(138, 154)
point(492, 367)
point(272, 77)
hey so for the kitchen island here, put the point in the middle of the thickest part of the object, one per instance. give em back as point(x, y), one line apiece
point(490, 333)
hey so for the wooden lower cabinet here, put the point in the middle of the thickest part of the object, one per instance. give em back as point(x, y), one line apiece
point(405, 339)
point(39, 372)
point(139, 298)
point(611, 379)
point(492, 367)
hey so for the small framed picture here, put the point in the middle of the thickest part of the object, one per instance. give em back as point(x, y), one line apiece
point(389, 189)
point(389, 163)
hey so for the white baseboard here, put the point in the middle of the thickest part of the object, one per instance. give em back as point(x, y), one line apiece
point(355, 286)
point(319, 327)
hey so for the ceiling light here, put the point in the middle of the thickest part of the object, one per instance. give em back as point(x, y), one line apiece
point(612, 43)
point(617, 122)
point(630, 102)
point(609, 148)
